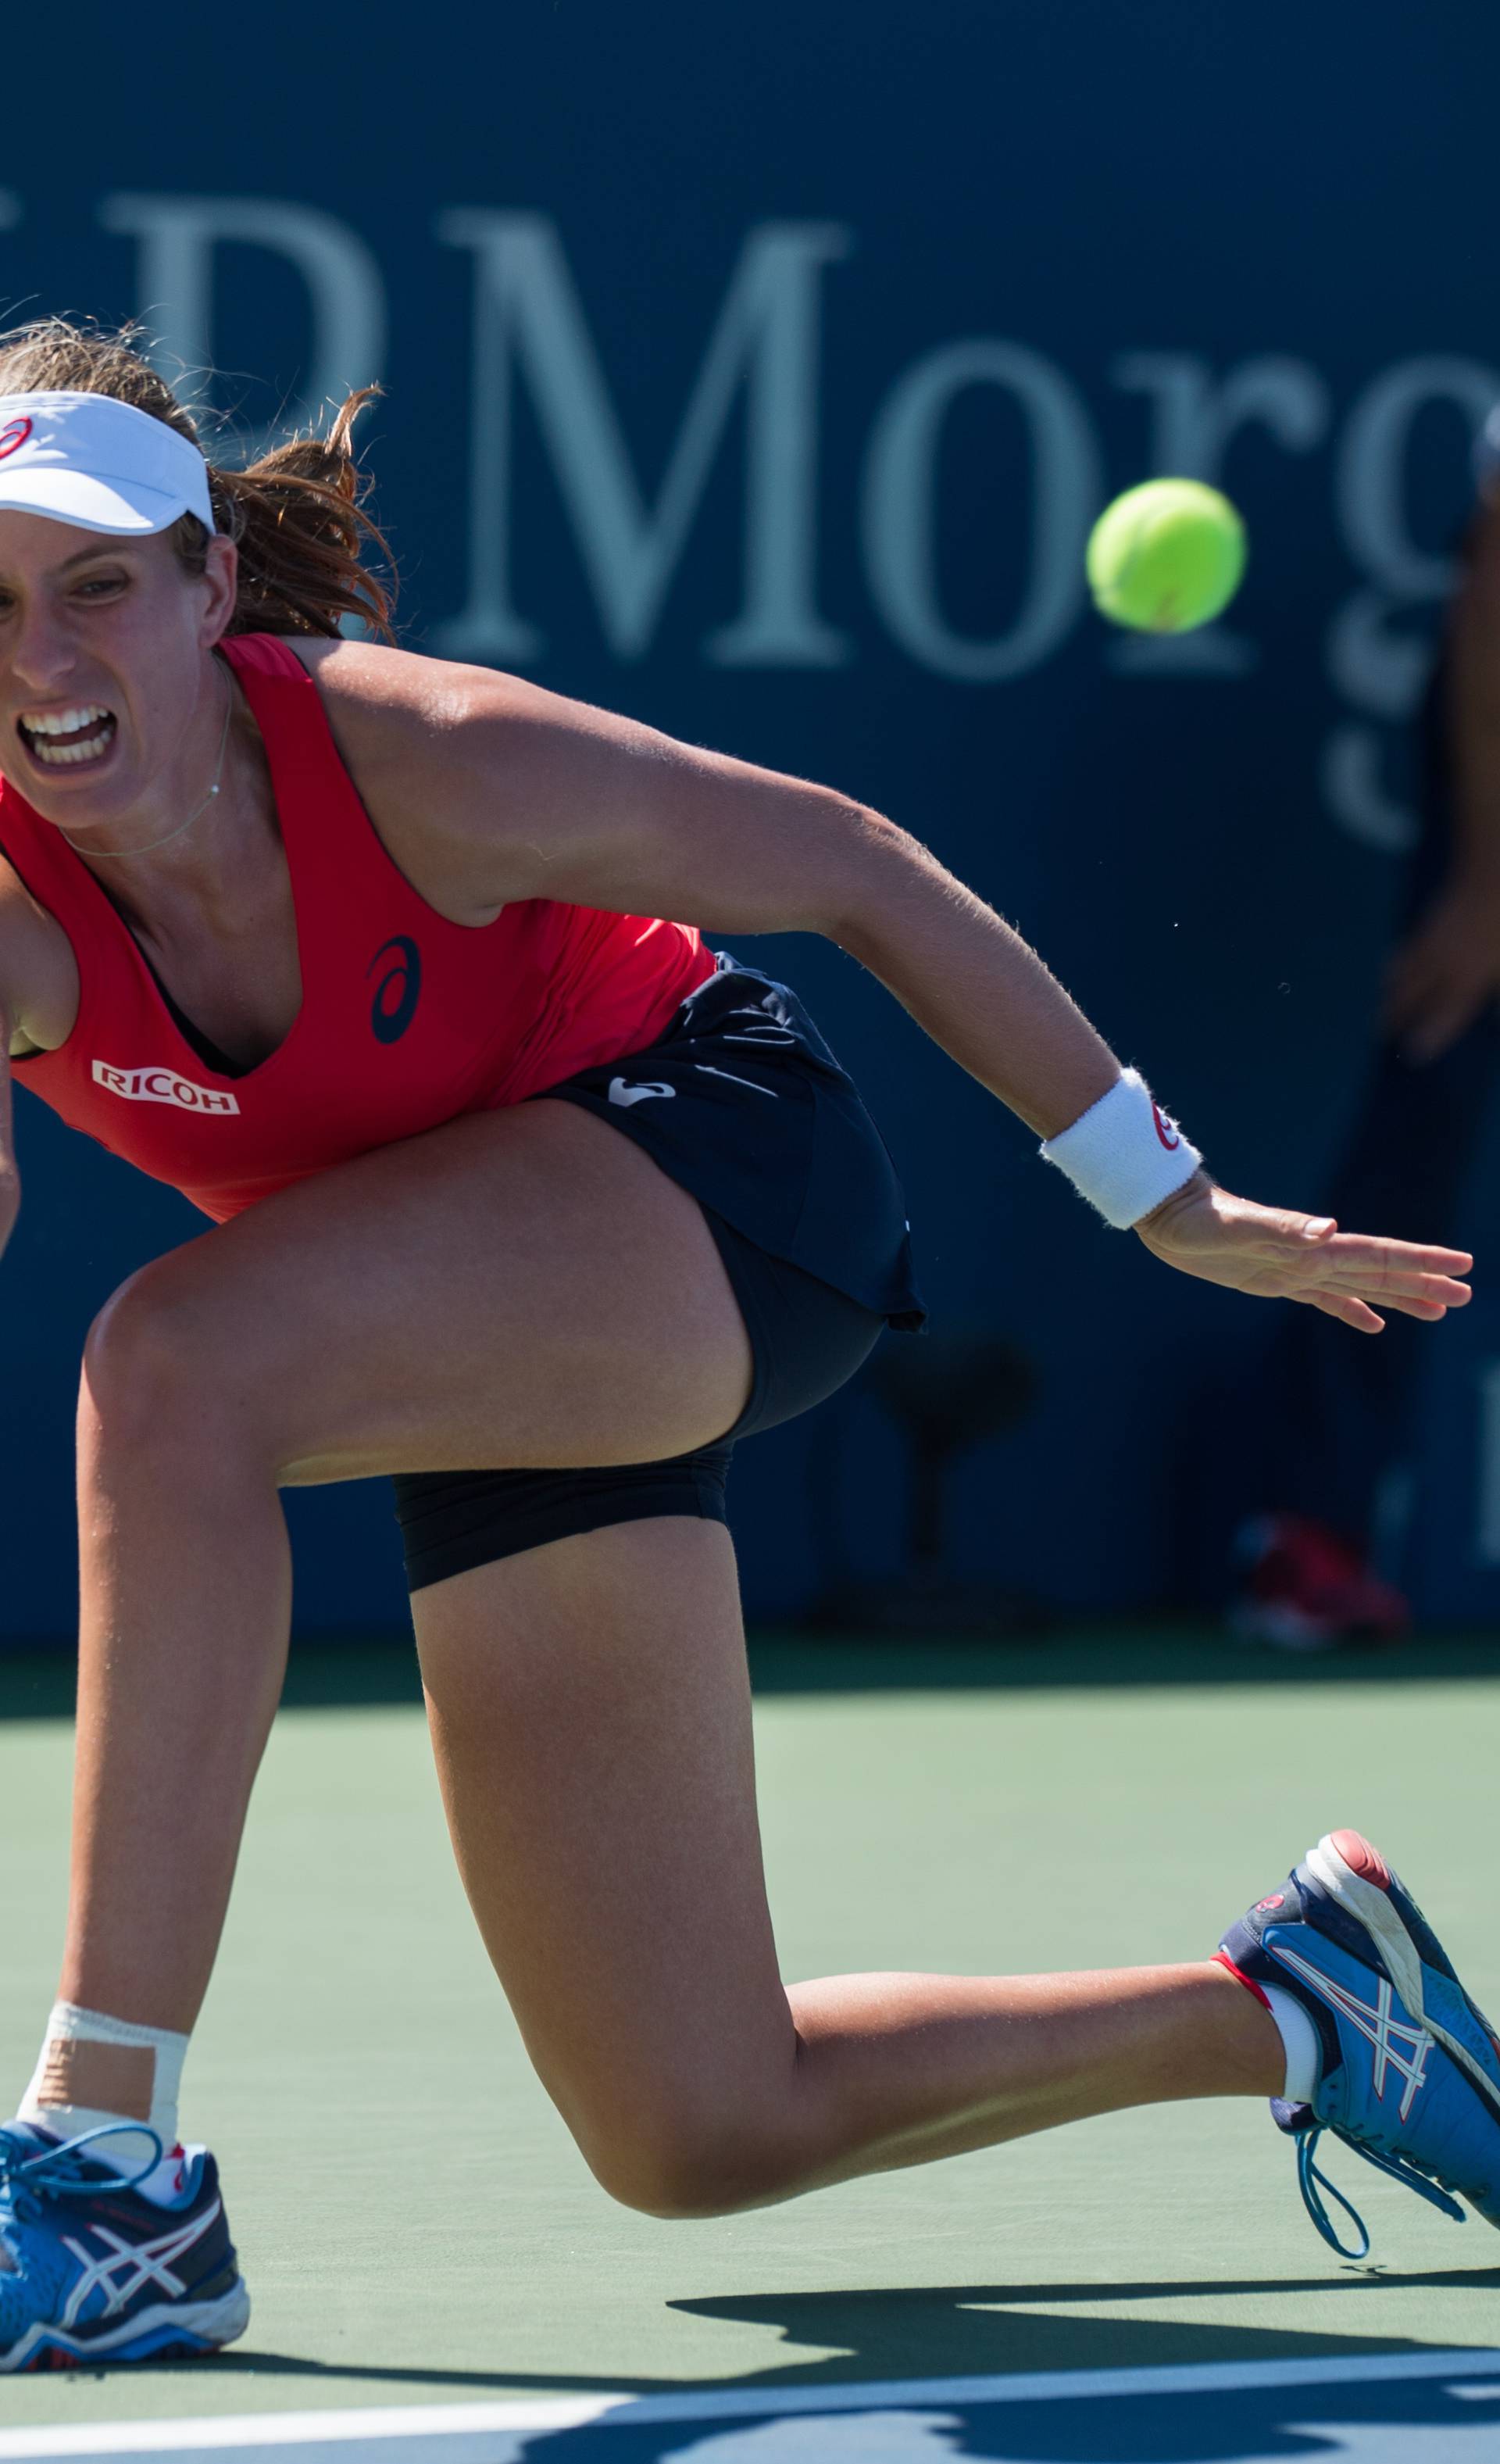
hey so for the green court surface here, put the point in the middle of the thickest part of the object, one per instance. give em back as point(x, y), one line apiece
point(417, 2228)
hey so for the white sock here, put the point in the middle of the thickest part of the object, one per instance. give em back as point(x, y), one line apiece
point(127, 2148)
point(1300, 2040)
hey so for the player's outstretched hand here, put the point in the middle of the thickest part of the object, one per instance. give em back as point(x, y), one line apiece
point(1280, 1256)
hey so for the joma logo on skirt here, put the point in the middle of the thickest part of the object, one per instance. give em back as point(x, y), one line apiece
point(163, 1087)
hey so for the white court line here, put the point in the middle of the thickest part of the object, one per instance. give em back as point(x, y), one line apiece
point(480, 2434)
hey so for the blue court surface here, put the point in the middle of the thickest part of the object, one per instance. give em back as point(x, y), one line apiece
point(1385, 2409)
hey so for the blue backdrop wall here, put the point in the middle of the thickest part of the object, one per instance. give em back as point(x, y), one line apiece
point(759, 371)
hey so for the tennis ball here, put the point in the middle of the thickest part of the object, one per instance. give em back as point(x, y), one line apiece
point(1166, 555)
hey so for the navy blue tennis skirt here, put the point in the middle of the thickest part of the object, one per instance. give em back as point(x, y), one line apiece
point(741, 1103)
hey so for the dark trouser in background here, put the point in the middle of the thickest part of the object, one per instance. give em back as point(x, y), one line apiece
point(1347, 1408)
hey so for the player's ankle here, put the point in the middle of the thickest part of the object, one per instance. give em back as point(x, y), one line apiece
point(1297, 2065)
point(1259, 2058)
point(96, 2073)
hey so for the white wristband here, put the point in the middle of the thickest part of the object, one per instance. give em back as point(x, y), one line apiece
point(1124, 1155)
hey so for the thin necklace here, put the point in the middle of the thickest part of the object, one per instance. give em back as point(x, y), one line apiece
point(151, 846)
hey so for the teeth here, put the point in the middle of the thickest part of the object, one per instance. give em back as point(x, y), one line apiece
point(45, 731)
point(54, 756)
point(61, 722)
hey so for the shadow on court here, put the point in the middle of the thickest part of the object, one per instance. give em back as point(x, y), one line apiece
point(946, 2332)
point(350, 1672)
point(979, 2330)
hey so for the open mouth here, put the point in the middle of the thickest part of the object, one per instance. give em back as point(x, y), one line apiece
point(63, 739)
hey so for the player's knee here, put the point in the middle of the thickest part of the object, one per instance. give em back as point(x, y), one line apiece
point(681, 2166)
point(147, 1357)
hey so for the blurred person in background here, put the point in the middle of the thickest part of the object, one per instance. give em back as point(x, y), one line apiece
point(1307, 1576)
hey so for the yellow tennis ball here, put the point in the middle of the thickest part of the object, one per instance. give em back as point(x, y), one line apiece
point(1166, 555)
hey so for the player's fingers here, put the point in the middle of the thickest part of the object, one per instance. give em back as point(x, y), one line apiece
point(1347, 1309)
point(1294, 1249)
point(1404, 1304)
point(1429, 1301)
point(1386, 1280)
point(1274, 1228)
point(1414, 1296)
point(1444, 1291)
point(1396, 1286)
point(1385, 1274)
point(1365, 1252)
point(1276, 1233)
point(1363, 1267)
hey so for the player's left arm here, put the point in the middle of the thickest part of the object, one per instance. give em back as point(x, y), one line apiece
point(531, 796)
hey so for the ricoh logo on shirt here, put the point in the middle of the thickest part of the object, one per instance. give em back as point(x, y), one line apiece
point(163, 1086)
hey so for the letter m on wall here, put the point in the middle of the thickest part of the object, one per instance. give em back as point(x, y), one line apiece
point(529, 323)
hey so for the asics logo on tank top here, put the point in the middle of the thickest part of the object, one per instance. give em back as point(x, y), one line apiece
point(163, 1086)
point(399, 990)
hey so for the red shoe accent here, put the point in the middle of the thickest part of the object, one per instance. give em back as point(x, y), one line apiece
point(54, 2356)
point(1222, 1959)
point(1362, 1859)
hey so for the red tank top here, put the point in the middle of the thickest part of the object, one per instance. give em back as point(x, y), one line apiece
point(406, 1019)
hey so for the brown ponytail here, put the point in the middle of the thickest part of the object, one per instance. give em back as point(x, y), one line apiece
point(296, 516)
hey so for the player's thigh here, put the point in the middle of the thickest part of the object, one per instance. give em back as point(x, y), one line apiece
point(516, 1288)
point(590, 1717)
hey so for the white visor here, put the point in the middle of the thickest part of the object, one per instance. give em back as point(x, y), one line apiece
point(97, 464)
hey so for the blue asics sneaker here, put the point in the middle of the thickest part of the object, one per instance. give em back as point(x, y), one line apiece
point(1410, 2067)
point(92, 2271)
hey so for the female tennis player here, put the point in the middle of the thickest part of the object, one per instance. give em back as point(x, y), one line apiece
point(522, 1196)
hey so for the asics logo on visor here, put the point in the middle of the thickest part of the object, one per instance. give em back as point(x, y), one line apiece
point(13, 436)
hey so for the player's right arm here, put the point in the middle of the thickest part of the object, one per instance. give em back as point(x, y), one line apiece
point(38, 1003)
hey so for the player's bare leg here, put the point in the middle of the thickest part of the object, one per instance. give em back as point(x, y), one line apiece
point(522, 1288)
point(518, 1287)
point(591, 1714)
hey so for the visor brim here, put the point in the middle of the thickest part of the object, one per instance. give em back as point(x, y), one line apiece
point(120, 508)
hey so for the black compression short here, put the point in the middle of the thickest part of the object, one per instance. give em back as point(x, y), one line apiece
point(806, 1340)
point(741, 1103)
